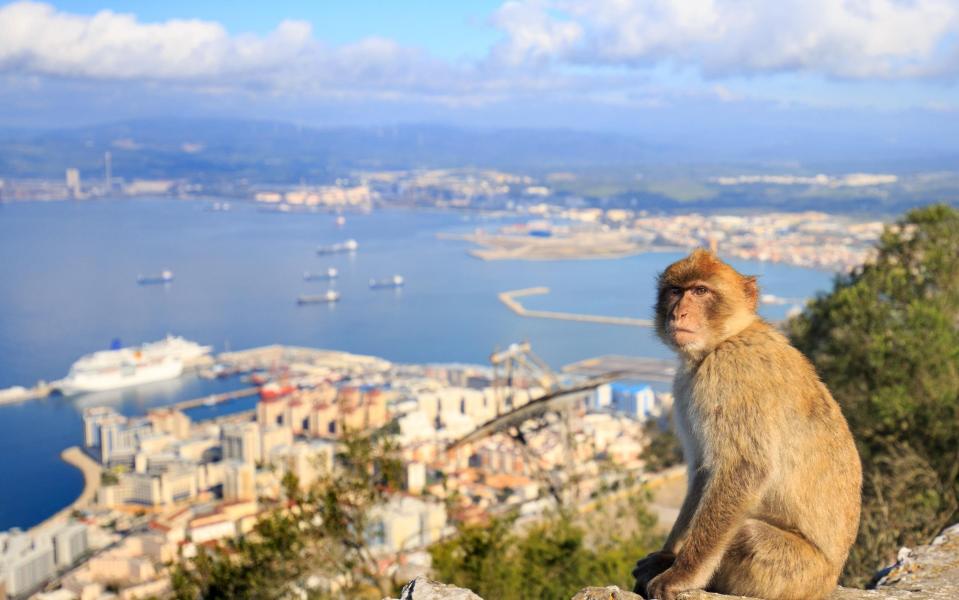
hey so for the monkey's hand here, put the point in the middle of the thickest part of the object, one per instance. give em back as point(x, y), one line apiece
point(649, 567)
point(666, 586)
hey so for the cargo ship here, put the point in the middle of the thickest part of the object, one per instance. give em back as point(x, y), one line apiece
point(328, 297)
point(327, 275)
point(165, 276)
point(122, 367)
point(395, 281)
point(347, 246)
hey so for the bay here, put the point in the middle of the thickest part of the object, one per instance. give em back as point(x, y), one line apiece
point(68, 286)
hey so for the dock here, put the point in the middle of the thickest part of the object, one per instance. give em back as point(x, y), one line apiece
point(509, 299)
point(214, 399)
point(629, 367)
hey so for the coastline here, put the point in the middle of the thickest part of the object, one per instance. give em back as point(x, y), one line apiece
point(75, 457)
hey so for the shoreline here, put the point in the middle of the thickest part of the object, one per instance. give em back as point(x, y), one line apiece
point(90, 469)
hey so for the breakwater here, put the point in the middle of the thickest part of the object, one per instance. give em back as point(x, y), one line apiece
point(509, 299)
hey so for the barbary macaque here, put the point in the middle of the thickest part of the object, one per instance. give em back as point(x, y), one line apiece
point(773, 498)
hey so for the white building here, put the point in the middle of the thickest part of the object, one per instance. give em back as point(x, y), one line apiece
point(70, 544)
point(406, 523)
point(602, 397)
point(239, 481)
point(241, 441)
point(637, 401)
point(119, 441)
point(25, 562)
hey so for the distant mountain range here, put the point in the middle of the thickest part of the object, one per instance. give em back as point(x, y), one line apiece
point(273, 152)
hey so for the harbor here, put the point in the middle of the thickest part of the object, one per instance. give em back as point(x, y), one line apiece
point(242, 295)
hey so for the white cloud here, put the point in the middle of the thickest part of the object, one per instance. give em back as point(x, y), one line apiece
point(39, 41)
point(544, 44)
point(36, 38)
point(533, 34)
point(856, 39)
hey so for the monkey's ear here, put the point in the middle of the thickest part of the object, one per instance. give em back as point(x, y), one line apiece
point(751, 288)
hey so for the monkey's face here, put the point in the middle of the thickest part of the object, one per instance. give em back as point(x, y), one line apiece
point(688, 310)
point(701, 302)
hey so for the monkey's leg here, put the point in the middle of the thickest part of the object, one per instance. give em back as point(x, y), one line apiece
point(765, 561)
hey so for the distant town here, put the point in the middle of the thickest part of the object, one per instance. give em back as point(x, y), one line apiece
point(159, 486)
point(559, 225)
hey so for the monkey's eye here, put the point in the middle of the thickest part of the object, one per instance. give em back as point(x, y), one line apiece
point(700, 290)
point(675, 291)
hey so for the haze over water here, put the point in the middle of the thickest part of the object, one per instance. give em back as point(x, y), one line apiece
point(68, 286)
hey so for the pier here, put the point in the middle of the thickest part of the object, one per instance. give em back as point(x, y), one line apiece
point(214, 399)
point(509, 299)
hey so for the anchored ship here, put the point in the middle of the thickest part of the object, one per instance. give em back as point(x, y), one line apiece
point(165, 276)
point(330, 273)
point(123, 367)
point(347, 246)
point(395, 281)
point(329, 296)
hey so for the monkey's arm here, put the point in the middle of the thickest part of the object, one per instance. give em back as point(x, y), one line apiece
point(681, 527)
point(655, 563)
point(738, 470)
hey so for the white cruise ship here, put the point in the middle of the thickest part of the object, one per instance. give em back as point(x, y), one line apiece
point(124, 367)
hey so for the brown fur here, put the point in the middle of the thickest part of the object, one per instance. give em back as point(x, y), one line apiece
point(774, 477)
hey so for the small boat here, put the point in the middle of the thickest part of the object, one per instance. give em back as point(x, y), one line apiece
point(165, 276)
point(347, 246)
point(273, 390)
point(330, 273)
point(329, 296)
point(340, 221)
point(395, 281)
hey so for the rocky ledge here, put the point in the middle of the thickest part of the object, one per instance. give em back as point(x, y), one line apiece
point(926, 573)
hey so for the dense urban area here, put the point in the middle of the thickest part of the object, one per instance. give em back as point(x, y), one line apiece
point(160, 486)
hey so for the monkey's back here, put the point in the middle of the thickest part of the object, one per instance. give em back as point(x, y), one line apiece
point(814, 483)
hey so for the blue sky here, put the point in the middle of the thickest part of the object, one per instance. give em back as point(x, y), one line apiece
point(450, 30)
point(626, 65)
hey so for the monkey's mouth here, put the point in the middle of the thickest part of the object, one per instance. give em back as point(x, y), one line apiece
point(682, 334)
